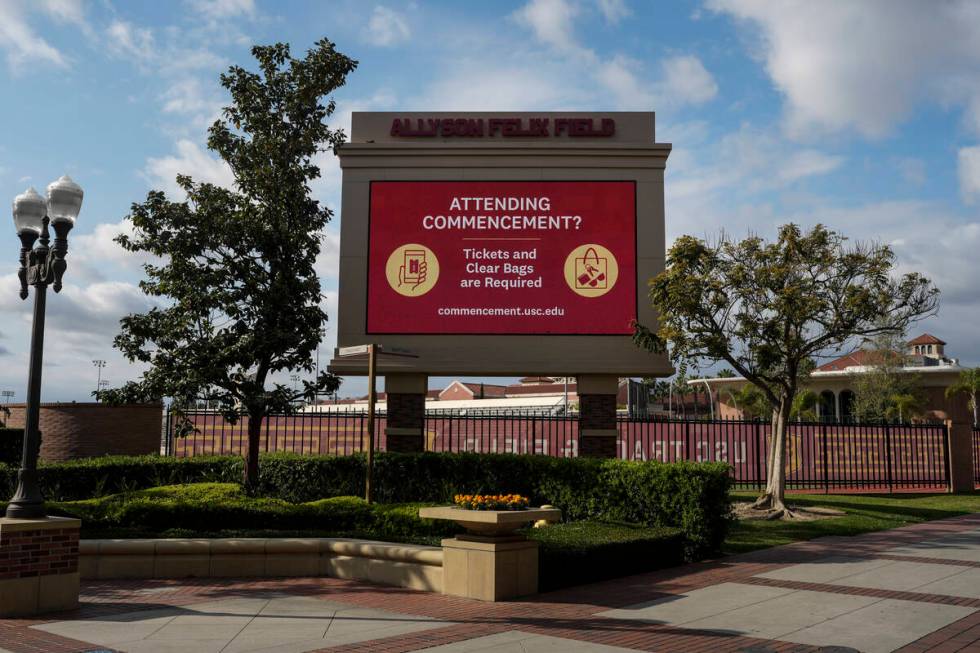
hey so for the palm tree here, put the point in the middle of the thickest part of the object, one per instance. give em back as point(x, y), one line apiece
point(968, 384)
point(904, 405)
point(805, 406)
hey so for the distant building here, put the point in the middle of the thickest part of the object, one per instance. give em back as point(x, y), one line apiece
point(834, 381)
point(538, 394)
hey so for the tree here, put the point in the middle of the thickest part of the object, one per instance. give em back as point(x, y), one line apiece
point(238, 297)
point(968, 384)
point(749, 401)
point(904, 406)
point(884, 379)
point(768, 309)
point(805, 406)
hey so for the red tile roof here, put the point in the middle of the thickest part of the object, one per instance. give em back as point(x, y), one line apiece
point(926, 339)
point(855, 359)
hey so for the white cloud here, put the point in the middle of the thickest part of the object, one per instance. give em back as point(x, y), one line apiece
point(969, 173)
point(552, 22)
point(687, 81)
point(864, 66)
point(737, 167)
point(189, 160)
point(913, 170)
point(387, 27)
point(21, 43)
point(614, 10)
point(65, 11)
point(125, 40)
point(684, 79)
point(215, 9)
point(505, 88)
point(808, 163)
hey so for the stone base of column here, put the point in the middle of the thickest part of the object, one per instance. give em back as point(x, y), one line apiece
point(405, 395)
point(38, 565)
point(597, 416)
point(488, 570)
point(404, 440)
point(598, 443)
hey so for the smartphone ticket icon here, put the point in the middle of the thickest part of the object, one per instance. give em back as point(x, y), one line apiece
point(412, 270)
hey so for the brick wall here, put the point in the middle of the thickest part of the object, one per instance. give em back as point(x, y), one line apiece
point(406, 410)
point(45, 552)
point(82, 430)
point(597, 412)
point(456, 392)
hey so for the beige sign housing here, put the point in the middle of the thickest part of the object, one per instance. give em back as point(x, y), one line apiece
point(563, 151)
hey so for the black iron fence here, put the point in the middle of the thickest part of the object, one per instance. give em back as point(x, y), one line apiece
point(820, 456)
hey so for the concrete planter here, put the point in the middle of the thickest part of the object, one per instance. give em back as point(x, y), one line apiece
point(491, 524)
point(490, 561)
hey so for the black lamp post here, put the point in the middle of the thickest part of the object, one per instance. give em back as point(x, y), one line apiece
point(39, 266)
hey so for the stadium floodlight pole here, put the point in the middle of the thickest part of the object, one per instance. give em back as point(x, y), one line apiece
point(7, 396)
point(40, 267)
point(99, 364)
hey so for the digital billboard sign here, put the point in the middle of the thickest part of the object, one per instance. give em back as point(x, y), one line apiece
point(502, 257)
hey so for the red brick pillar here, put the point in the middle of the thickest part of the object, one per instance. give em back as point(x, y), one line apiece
point(597, 416)
point(38, 565)
point(405, 396)
point(960, 434)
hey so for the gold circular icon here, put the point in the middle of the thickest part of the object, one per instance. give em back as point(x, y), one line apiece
point(591, 270)
point(412, 270)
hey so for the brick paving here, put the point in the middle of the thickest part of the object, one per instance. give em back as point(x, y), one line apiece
point(571, 613)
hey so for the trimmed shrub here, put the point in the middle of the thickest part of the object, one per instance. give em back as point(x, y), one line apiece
point(689, 496)
point(11, 445)
point(590, 551)
point(87, 478)
point(214, 508)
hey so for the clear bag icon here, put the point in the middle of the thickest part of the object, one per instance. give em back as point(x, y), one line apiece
point(590, 271)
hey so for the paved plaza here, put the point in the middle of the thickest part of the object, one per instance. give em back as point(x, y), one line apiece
point(912, 589)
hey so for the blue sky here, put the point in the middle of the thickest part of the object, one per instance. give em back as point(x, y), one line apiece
point(861, 115)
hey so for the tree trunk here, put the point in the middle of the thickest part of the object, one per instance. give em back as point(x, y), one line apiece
point(774, 496)
point(251, 476)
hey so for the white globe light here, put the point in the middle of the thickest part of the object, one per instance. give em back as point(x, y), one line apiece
point(64, 200)
point(29, 212)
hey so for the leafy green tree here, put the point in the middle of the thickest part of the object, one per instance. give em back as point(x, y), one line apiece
point(805, 406)
point(968, 384)
point(905, 406)
point(237, 297)
point(748, 400)
point(768, 309)
point(884, 379)
point(725, 373)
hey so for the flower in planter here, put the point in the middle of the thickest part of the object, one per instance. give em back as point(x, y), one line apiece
point(491, 501)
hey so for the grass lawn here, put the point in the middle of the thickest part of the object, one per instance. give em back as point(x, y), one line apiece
point(865, 513)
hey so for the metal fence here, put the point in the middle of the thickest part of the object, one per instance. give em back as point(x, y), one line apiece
point(820, 456)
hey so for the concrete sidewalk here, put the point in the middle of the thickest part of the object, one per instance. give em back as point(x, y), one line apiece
point(912, 589)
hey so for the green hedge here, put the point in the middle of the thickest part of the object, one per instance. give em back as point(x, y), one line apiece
point(586, 552)
point(222, 508)
point(689, 496)
point(95, 477)
point(11, 445)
